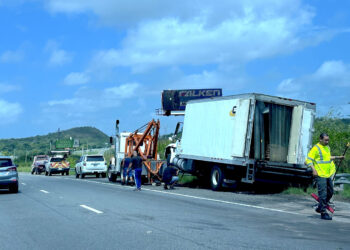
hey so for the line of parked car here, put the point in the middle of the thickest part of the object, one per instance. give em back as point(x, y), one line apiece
point(87, 165)
point(57, 164)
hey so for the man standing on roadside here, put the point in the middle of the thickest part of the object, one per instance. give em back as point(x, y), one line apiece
point(320, 160)
point(136, 165)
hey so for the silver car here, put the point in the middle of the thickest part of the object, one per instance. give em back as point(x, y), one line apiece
point(8, 174)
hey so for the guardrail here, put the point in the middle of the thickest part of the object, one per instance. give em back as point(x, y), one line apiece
point(341, 179)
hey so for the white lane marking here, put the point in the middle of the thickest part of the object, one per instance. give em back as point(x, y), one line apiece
point(44, 191)
point(201, 198)
point(23, 183)
point(92, 209)
point(221, 201)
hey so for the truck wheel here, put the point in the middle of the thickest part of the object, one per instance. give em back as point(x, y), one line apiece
point(216, 178)
point(97, 175)
point(111, 176)
point(103, 175)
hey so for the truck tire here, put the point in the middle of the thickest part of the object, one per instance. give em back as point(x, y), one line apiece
point(111, 176)
point(103, 175)
point(216, 178)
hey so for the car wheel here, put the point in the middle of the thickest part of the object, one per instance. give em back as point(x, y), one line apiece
point(82, 176)
point(216, 178)
point(14, 188)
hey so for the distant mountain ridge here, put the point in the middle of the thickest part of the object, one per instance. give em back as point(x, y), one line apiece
point(40, 144)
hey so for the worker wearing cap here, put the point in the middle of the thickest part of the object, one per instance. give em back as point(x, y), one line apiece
point(320, 160)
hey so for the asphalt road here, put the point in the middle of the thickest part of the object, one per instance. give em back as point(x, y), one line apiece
point(66, 213)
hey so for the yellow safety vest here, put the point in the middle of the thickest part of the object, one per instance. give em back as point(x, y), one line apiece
point(320, 157)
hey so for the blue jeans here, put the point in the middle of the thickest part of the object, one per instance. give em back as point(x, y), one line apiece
point(174, 179)
point(137, 173)
point(125, 169)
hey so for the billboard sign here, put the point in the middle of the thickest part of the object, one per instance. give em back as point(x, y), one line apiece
point(64, 143)
point(175, 100)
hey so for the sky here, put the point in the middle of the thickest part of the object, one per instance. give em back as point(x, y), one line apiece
point(70, 63)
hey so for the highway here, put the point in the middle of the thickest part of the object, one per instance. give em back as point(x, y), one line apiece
point(61, 212)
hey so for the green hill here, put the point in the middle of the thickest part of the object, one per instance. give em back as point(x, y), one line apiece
point(40, 144)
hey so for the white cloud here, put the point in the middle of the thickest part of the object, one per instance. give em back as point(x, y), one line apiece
point(6, 88)
point(122, 91)
point(335, 73)
point(166, 33)
point(289, 85)
point(9, 111)
point(10, 56)
point(209, 79)
point(87, 100)
point(328, 86)
point(76, 78)
point(59, 57)
point(237, 38)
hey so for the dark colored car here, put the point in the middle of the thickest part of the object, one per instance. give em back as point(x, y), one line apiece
point(8, 174)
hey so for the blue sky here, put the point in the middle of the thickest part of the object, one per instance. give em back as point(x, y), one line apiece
point(68, 63)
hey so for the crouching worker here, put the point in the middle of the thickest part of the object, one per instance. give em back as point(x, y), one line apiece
point(170, 177)
point(127, 175)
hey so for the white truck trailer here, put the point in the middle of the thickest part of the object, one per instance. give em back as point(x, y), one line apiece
point(245, 138)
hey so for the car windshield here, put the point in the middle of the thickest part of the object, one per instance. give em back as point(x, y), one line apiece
point(5, 162)
point(57, 159)
point(95, 158)
point(41, 158)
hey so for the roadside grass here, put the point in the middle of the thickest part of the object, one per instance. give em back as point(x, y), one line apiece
point(338, 195)
point(186, 179)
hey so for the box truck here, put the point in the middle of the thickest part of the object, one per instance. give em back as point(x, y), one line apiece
point(245, 138)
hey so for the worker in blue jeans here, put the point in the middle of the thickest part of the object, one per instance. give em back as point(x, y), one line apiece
point(127, 175)
point(136, 165)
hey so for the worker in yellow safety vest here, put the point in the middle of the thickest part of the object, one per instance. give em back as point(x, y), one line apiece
point(320, 160)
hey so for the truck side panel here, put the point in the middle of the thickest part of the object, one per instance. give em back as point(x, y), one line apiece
point(306, 134)
point(216, 129)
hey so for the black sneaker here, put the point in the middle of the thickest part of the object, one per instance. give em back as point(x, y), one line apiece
point(325, 216)
point(165, 186)
point(318, 210)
